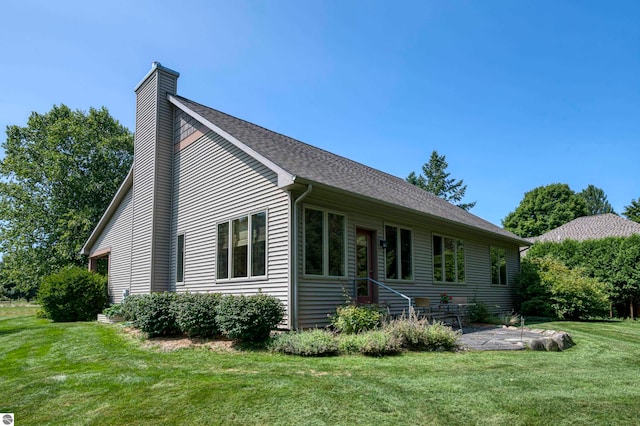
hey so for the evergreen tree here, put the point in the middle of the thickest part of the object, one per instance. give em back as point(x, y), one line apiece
point(632, 211)
point(436, 180)
point(596, 201)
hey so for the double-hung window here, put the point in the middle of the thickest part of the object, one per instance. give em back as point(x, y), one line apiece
point(399, 253)
point(498, 266)
point(324, 243)
point(241, 247)
point(448, 260)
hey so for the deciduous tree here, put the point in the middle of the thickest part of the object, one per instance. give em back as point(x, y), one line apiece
point(58, 175)
point(543, 209)
point(437, 181)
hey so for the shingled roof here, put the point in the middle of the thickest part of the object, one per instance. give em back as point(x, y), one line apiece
point(591, 228)
point(315, 165)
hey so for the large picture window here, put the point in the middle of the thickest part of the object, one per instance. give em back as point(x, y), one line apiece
point(241, 247)
point(324, 243)
point(498, 266)
point(399, 253)
point(448, 260)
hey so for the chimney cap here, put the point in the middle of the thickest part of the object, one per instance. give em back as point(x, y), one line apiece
point(157, 66)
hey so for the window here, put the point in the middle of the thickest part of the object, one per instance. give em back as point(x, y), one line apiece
point(223, 251)
point(180, 259)
point(324, 243)
point(448, 260)
point(241, 247)
point(498, 266)
point(259, 244)
point(399, 253)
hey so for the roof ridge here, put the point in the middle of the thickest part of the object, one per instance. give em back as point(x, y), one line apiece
point(319, 165)
point(399, 179)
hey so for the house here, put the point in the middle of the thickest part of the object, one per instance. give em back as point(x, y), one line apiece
point(590, 228)
point(214, 203)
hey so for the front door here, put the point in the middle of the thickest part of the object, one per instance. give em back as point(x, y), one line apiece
point(365, 267)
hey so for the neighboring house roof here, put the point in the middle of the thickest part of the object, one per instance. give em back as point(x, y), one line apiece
point(591, 228)
point(307, 164)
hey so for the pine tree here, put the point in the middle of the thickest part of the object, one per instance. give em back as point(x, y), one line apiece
point(437, 181)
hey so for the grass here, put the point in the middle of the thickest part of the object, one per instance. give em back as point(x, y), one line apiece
point(90, 373)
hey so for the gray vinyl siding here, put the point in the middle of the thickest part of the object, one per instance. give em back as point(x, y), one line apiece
point(143, 180)
point(117, 237)
point(319, 296)
point(216, 182)
point(163, 184)
point(152, 184)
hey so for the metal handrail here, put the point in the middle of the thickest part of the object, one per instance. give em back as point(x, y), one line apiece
point(379, 284)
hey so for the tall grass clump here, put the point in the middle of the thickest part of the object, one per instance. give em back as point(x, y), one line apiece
point(315, 342)
point(418, 335)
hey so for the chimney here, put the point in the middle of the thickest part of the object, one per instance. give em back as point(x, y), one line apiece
point(152, 181)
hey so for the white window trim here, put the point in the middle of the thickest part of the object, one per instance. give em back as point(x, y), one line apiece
point(434, 234)
point(249, 277)
point(399, 254)
point(325, 243)
point(506, 269)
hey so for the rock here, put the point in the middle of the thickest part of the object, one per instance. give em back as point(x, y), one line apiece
point(564, 340)
point(552, 342)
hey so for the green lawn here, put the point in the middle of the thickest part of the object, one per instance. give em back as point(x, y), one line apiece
point(89, 373)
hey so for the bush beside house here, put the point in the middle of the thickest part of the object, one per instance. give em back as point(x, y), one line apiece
point(245, 318)
point(73, 294)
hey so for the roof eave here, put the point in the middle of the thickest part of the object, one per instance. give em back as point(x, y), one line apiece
point(111, 209)
point(516, 240)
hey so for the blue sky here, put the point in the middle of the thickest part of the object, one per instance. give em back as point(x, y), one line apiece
point(515, 94)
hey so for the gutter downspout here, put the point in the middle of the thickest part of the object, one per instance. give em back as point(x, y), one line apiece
point(294, 282)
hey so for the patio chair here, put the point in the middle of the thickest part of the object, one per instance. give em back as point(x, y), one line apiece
point(458, 309)
point(423, 307)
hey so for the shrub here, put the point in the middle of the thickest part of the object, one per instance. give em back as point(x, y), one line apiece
point(479, 313)
point(306, 343)
point(442, 338)
point(153, 313)
point(371, 343)
point(355, 319)
point(113, 311)
point(419, 335)
point(550, 287)
point(130, 307)
point(350, 343)
point(74, 294)
point(249, 318)
point(196, 314)
point(610, 260)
